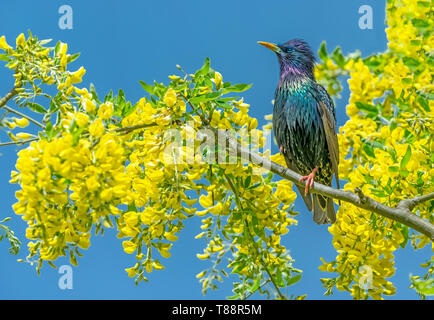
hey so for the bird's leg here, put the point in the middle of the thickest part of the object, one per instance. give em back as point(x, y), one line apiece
point(310, 180)
point(282, 150)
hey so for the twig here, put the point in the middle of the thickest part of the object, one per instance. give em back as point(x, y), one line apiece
point(126, 130)
point(21, 142)
point(201, 116)
point(252, 292)
point(234, 190)
point(24, 116)
point(12, 93)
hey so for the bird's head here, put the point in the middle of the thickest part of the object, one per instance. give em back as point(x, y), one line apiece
point(295, 57)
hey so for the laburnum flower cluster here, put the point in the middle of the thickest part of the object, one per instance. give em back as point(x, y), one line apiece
point(144, 169)
point(386, 148)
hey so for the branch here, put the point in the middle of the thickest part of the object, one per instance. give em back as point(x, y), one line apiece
point(21, 142)
point(401, 213)
point(12, 93)
point(240, 206)
point(24, 116)
point(126, 130)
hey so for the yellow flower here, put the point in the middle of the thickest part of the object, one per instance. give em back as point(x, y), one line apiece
point(97, 129)
point(105, 111)
point(170, 98)
point(164, 250)
point(24, 135)
point(131, 218)
point(81, 119)
point(132, 272)
point(218, 80)
point(20, 40)
point(22, 122)
point(76, 76)
point(106, 194)
point(84, 241)
point(3, 44)
point(89, 105)
point(203, 256)
point(129, 246)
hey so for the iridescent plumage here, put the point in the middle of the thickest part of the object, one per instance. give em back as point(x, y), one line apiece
point(304, 124)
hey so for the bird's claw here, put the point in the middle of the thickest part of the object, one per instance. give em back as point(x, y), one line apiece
point(309, 182)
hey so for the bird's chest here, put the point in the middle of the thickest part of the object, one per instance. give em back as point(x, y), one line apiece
point(298, 129)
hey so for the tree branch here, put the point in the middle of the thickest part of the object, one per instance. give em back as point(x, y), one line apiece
point(401, 213)
point(258, 254)
point(24, 116)
point(12, 93)
point(21, 142)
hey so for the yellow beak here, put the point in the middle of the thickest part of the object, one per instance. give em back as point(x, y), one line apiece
point(269, 45)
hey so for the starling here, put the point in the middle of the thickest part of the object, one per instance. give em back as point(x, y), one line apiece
point(304, 125)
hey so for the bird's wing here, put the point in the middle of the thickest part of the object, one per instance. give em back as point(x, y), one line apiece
point(326, 110)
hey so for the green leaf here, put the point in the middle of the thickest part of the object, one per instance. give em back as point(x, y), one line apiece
point(411, 63)
point(366, 107)
point(405, 232)
point(404, 173)
point(256, 284)
point(278, 278)
point(406, 81)
point(322, 53)
point(36, 107)
point(423, 4)
point(293, 280)
point(406, 157)
point(338, 57)
point(425, 287)
point(237, 88)
point(378, 193)
point(227, 99)
point(44, 42)
point(92, 91)
point(206, 97)
point(420, 24)
point(393, 169)
point(147, 87)
point(372, 62)
point(73, 57)
point(368, 150)
point(49, 129)
point(247, 182)
point(128, 109)
point(204, 70)
point(423, 102)
point(4, 57)
point(57, 47)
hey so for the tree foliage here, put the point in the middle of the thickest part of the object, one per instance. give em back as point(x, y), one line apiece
point(386, 146)
point(145, 167)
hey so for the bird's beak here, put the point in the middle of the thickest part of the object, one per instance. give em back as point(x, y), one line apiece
point(269, 45)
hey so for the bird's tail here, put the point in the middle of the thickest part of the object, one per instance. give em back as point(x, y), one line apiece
point(323, 209)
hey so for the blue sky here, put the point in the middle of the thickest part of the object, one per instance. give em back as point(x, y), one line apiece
point(122, 42)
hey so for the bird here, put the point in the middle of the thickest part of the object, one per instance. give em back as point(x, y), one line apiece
point(304, 125)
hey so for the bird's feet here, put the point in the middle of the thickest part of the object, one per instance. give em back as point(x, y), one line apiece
point(310, 180)
point(282, 150)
